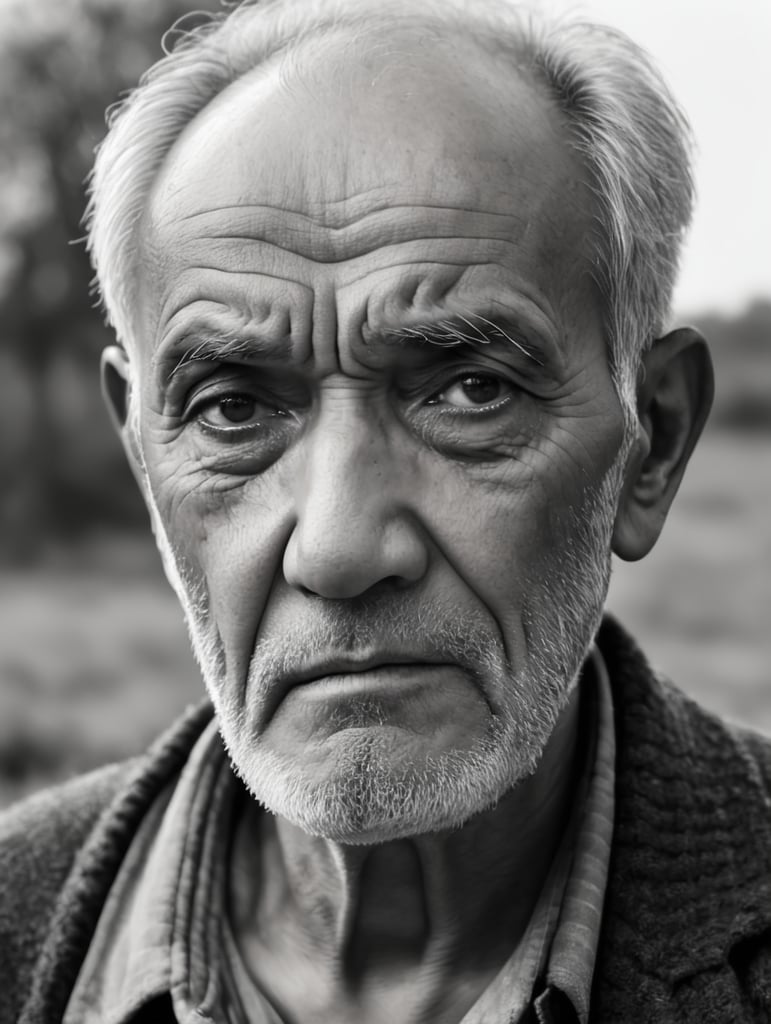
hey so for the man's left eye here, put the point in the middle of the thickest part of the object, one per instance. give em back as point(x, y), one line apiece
point(473, 391)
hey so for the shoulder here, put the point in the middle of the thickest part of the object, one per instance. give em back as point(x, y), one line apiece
point(40, 838)
point(655, 719)
point(680, 768)
point(59, 851)
point(65, 811)
point(757, 749)
point(687, 915)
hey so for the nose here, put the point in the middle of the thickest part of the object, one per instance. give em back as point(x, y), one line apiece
point(354, 528)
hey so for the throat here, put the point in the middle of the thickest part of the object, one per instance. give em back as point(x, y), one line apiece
point(390, 926)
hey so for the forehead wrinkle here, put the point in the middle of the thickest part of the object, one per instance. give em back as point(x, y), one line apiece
point(521, 313)
point(363, 248)
point(248, 272)
point(464, 264)
point(267, 327)
point(319, 211)
point(210, 268)
point(332, 246)
point(315, 238)
point(201, 294)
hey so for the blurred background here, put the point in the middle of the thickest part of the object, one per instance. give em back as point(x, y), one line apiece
point(94, 658)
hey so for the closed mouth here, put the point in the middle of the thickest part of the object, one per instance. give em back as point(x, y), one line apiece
point(341, 666)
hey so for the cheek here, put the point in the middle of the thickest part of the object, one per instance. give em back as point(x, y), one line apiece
point(506, 532)
point(488, 523)
point(228, 537)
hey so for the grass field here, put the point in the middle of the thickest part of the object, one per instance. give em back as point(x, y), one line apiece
point(700, 603)
point(94, 658)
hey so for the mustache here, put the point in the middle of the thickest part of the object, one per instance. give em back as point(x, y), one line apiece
point(373, 631)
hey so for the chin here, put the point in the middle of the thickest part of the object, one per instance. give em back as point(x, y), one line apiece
point(365, 793)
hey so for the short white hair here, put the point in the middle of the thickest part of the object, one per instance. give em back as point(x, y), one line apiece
point(632, 137)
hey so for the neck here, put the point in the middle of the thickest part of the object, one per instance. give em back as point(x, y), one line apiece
point(443, 903)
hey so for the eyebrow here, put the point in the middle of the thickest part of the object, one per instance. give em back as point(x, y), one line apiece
point(208, 344)
point(471, 329)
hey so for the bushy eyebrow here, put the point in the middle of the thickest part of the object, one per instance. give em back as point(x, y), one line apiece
point(473, 329)
point(211, 345)
point(207, 343)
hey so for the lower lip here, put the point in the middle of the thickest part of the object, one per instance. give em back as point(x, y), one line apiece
point(383, 678)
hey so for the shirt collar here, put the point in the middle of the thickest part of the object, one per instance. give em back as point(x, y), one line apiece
point(157, 935)
point(557, 953)
point(574, 949)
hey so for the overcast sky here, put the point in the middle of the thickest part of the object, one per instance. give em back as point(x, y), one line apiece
point(717, 59)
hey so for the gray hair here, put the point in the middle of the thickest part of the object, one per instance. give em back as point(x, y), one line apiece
point(632, 137)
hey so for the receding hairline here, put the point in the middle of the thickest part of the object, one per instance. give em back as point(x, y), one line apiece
point(623, 122)
point(286, 68)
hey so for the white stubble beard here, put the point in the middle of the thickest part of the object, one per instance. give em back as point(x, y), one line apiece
point(369, 798)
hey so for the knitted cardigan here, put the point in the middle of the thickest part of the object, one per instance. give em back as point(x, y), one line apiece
point(687, 923)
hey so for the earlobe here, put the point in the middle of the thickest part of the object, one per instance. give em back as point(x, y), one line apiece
point(673, 402)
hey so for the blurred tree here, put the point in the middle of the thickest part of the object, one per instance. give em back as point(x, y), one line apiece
point(62, 62)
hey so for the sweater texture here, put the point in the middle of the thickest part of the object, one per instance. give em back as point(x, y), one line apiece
point(686, 930)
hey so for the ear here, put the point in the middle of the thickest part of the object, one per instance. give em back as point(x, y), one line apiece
point(116, 390)
point(673, 402)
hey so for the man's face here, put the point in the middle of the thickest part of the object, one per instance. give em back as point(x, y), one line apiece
point(378, 429)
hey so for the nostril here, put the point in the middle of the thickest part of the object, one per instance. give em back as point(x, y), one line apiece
point(394, 582)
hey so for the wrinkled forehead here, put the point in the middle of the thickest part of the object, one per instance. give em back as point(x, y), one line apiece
point(359, 143)
point(351, 115)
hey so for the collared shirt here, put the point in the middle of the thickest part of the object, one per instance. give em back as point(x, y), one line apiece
point(163, 932)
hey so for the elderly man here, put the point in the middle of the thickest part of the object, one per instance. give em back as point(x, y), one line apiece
point(390, 286)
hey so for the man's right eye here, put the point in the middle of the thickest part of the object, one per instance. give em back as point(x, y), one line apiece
point(232, 404)
point(238, 428)
point(235, 410)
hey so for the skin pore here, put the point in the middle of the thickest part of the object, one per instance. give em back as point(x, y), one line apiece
point(377, 431)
